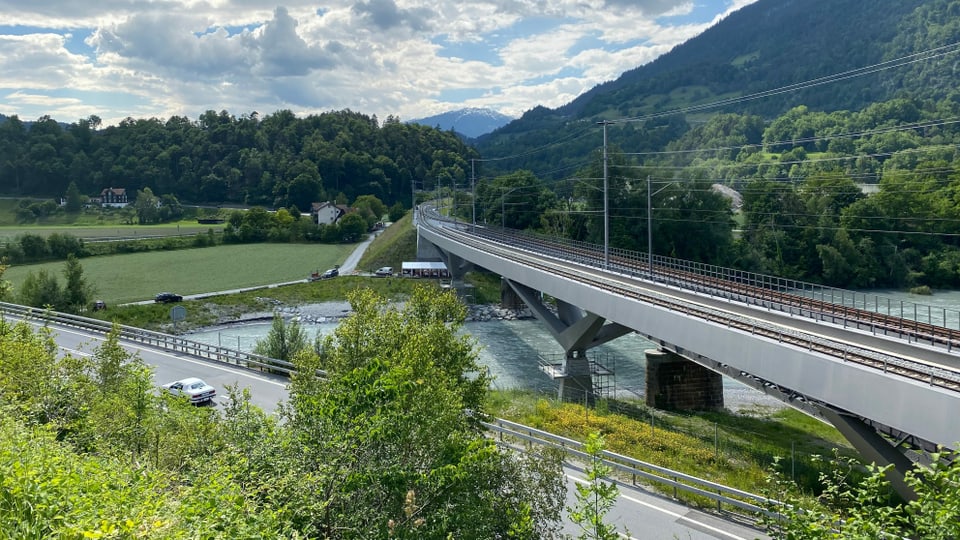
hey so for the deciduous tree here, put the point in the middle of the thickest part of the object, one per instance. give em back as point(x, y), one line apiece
point(394, 429)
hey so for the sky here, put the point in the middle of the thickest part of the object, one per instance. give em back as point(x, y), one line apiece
point(117, 59)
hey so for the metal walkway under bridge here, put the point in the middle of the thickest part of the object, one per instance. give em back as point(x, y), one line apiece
point(885, 373)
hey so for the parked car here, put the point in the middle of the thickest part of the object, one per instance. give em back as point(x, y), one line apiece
point(193, 388)
point(167, 297)
point(99, 305)
point(385, 271)
point(331, 273)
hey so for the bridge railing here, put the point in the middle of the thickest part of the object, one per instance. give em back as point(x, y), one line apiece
point(153, 339)
point(678, 272)
point(638, 471)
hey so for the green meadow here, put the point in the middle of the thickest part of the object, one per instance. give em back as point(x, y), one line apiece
point(139, 276)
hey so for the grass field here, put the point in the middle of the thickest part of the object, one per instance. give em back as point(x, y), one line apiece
point(139, 276)
point(106, 232)
point(95, 223)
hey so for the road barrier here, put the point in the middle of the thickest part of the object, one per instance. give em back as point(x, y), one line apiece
point(746, 504)
point(157, 340)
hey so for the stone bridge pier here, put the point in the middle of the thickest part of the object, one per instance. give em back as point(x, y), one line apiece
point(674, 382)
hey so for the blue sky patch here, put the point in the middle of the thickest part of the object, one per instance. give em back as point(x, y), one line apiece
point(487, 50)
point(462, 94)
point(703, 11)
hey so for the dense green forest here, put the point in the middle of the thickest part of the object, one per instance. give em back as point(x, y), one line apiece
point(278, 160)
point(865, 198)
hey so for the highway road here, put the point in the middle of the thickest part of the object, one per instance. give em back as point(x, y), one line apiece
point(266, 390)
point(644, 514)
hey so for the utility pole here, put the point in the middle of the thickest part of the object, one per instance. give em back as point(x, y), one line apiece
point(606, 201)
point(649, 228)
point(473, 194)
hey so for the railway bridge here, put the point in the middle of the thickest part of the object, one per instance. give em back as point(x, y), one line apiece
point(885, 373)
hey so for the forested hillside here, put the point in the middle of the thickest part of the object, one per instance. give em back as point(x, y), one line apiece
point(835, 120)
point(277, 160)
point(768, 45)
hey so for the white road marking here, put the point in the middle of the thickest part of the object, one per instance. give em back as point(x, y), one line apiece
point(670, 513)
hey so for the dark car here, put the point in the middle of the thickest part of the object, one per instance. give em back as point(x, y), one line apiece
point(331, 273)
point(99, 305)
point(167, 297)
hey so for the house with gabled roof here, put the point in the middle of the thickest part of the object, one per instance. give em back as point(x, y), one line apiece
point(112, 197)
point(327, 213)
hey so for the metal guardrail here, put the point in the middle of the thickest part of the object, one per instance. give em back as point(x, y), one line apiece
point(157, 340)
point(742, 500)
point(723, 495)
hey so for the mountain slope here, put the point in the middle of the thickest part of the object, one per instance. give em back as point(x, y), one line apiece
point(764, 46)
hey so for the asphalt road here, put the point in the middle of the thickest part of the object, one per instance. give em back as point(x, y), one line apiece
point(644, 514)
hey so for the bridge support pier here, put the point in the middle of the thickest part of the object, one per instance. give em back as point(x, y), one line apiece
point(508, 297)
point(674, 382)
point(458, 268)
point(875, 448)
point(576, 331)
point(576, 385)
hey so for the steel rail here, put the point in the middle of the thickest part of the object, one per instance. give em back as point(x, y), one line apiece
point(525, 251)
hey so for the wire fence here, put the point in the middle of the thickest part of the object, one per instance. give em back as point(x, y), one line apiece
point(790, 453)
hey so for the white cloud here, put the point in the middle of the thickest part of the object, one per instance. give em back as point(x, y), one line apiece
point(383, 57)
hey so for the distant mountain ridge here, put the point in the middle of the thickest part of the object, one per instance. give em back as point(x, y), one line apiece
point(469, 122)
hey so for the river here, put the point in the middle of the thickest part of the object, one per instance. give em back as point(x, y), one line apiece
point(510, 350)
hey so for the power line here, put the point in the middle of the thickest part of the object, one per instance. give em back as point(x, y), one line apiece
point(828, 79)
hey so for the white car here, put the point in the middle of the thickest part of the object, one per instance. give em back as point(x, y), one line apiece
point(193, 388)
point(385, 271)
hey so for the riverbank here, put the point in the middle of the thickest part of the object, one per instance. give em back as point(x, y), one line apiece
point(334, 311)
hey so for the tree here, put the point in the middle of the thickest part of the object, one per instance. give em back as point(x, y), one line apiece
point(77, 293)
point(6, 288)
point(284, 340)
point(856, 506)
point(352, 227)
point(595, 497)
point(41, 290)
point(34, 246)
point(371, 207)
point(74, 198)
point(147, 206)
point(170, 208)
point(394, 429)
point(397, 211)
point(61, 245)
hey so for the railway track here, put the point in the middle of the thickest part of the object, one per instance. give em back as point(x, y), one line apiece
point(911, 330)
point(567, 261)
